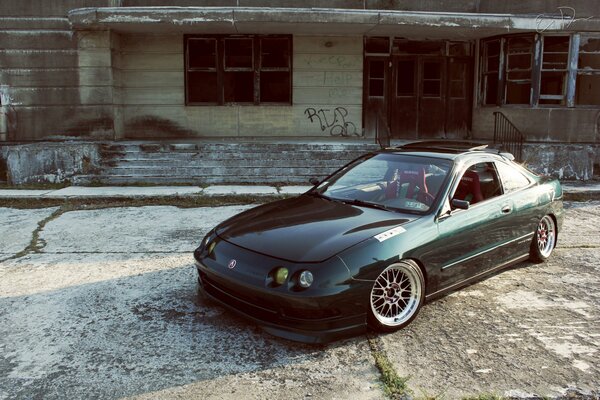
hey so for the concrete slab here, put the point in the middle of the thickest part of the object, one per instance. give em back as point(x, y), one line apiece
point(133, 229)
point(108, 325)
point(532, 329)
point(18, 193)
point(581, 225)
point(16, 228)
point(124, 191)
point(294, 189)
point(224, 190)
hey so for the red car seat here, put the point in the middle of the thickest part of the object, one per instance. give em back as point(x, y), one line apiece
point(469, 188)
point(416, 183)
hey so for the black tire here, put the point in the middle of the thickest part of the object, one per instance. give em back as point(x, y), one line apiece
point(544, 240)
point(388, 310)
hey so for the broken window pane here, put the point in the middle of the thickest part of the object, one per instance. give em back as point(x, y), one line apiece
point(556, 52)
point(587, 89)
point(519, 52)
point(552, 87)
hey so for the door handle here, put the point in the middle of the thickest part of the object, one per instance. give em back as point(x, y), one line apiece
point(506, 210)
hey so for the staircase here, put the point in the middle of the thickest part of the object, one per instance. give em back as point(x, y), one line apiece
point(199, 163)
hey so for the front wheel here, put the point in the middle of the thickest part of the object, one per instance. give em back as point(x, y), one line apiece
point(543, 241)
point(396, 296)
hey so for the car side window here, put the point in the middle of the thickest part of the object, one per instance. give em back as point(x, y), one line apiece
point(512, 178)
point(478, 183)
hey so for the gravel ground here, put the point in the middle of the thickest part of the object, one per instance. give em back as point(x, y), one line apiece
point(104, 304)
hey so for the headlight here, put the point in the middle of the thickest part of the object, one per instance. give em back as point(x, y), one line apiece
point(281, 275)
point(305, 279)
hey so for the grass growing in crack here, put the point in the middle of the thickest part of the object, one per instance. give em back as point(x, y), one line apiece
point(35, 246)
point(484, 396)
point(394, 385)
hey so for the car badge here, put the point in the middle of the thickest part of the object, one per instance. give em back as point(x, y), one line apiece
point(232, 264)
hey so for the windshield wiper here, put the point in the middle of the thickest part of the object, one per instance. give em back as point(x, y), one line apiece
point(357, 202)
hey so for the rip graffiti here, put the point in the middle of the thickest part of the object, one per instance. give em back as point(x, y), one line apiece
point(334, 120)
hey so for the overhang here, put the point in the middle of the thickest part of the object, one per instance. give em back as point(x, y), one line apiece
point(320, 21)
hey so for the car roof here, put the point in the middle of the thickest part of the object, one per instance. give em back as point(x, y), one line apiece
point(448, 149)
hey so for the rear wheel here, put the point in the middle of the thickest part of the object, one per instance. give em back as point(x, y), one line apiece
point(543, 241)
point(396, 296)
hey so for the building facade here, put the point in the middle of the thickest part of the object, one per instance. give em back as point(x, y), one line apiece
point(347, 71)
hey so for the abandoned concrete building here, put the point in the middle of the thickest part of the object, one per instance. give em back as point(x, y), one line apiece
point(205, 91)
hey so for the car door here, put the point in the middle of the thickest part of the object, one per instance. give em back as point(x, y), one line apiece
point(470, 240)
point(522, 219)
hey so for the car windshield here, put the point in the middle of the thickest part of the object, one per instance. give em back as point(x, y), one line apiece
point(389, 181)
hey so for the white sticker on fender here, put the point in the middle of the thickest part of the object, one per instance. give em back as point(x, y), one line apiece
point(389, 234)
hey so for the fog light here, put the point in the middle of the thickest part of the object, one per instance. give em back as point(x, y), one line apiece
point(281, 275)
point(305, 279)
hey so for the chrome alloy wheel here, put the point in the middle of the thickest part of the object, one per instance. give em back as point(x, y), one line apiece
point(546, 236)
point(396, 295)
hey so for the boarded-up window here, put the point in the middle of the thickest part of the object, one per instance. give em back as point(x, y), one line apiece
point(238, 69)
point(587, 90)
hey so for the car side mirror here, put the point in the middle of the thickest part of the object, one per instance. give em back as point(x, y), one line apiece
point(461, 204)
point(314, 181)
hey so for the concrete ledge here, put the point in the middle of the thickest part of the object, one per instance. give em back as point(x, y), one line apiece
point(124, 191)
point(313, 20)
point(222, 190)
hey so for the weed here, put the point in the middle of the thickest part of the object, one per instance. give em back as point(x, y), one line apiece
point(394, 386)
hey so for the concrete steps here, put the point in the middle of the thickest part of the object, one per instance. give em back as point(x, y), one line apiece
point(220, 162)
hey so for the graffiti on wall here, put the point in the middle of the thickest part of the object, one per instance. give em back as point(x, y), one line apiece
point(333, 120)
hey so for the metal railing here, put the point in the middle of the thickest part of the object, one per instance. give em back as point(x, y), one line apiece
point(508, 136)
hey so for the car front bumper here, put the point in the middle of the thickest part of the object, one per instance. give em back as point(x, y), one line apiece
point(315, 316)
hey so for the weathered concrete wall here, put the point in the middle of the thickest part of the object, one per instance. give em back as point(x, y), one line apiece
point(41, 82)
point(571, 125)
point(48, 162)
point(327, 93)
point(563, 161)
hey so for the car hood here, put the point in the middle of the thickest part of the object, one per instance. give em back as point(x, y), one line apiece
point(307, 228)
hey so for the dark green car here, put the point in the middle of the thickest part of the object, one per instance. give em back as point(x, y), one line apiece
point(367, 246)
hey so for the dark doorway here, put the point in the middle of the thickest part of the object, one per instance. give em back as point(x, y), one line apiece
point(420, 95)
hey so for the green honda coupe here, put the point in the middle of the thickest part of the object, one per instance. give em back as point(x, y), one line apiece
point(367, 246)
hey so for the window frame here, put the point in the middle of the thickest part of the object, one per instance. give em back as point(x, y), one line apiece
point(257, 70)
point(570, 77)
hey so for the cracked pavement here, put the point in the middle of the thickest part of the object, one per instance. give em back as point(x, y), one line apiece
point(105, 305)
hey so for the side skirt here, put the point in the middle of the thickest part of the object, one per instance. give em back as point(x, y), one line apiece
point(474, 278)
